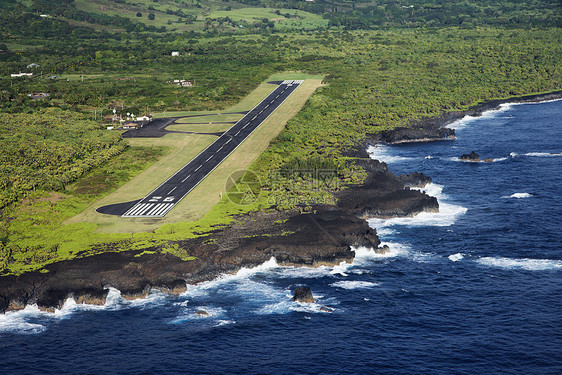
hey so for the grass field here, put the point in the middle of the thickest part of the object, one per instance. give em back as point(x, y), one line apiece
point(130, 10)
point(297, 19)
point(183, 147)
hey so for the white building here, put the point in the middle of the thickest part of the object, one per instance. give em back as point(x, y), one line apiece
point(20, 74)
point(175, 53)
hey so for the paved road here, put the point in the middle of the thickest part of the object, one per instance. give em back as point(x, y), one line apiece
point(154, 129)
point(160, 201)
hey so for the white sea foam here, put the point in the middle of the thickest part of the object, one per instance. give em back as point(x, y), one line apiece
point(493, 160)
point(243, 274)
point(447, 215)
point(345, 284)
point(523, 263)
point(466, 120)
point(19, 321)
point(154, 298)
point(543, 154)
point(386, 231)
point(113, 298)
point(434, 190)
point(384, 153)
point(364, 255)
point(518, 195)
point(221, 322)
point(462, 123)
point(303, 272)
point(456, 257)
point(287, 305)
point(23, 321)
point(199, 313)
point(266, 266)
point(536, 154)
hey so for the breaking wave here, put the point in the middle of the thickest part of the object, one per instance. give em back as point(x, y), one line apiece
point(518, 195)
point(466, 120)
point(383, 153)
point(447, 215)
point(456, 257)
point(345, 284)
point(32, 320)
point(536, 154)
point(523, 263)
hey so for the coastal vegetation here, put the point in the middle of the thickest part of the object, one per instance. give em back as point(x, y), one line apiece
point(58, 159)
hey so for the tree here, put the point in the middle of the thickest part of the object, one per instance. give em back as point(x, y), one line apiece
point(151, 16)
point(139, 14)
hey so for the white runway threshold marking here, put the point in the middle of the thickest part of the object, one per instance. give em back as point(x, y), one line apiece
point(149, 210)
point(159, 210)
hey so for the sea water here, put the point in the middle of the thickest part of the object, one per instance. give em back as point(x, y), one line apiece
point(475, 288)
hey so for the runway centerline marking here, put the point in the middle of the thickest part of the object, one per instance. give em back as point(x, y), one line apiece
point(148, 207)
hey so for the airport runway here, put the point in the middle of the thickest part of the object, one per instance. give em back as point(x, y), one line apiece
point(162, 199)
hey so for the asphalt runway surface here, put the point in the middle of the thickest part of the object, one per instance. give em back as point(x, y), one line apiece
point(162, 199)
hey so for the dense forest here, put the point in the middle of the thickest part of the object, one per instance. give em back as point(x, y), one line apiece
point(377, 77)
point(49, 149)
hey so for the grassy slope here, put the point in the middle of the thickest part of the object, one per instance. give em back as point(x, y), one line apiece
point(210, 9)
point(300, 19)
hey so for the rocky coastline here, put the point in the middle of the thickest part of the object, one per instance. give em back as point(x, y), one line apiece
point(324, 236)
point(434, 128)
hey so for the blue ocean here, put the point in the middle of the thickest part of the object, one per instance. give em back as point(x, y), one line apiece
point(473, 289)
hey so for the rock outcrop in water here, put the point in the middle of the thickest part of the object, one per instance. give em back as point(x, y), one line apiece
point(303, 294)
point(473, 156)
point(384, 194)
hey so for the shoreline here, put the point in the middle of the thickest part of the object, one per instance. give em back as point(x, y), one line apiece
point(324, 237)
point(435, 128)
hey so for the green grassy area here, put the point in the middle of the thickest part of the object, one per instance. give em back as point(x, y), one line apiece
point(287, 19)
point(130, 10)
point(166, 14)
point(209, 119)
